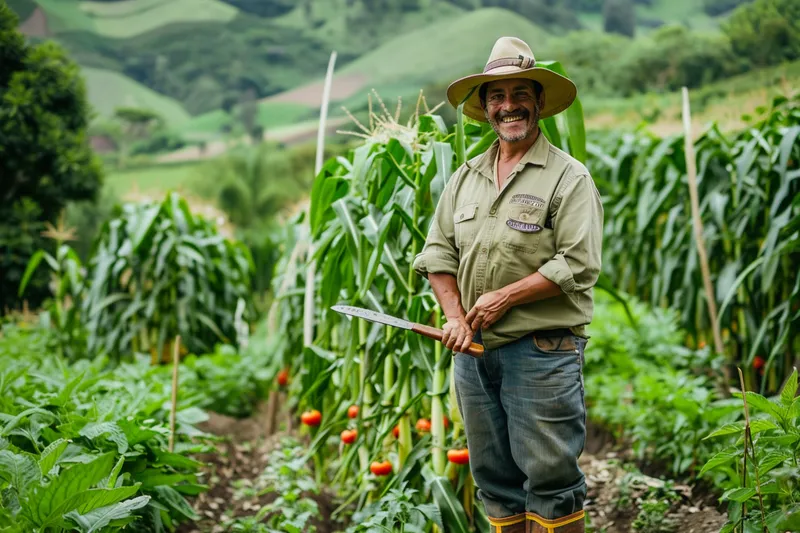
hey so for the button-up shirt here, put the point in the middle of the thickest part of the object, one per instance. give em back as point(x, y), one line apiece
point(548, 218)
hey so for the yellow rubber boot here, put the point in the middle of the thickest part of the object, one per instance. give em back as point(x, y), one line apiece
point(509, 524)
point(573, 523)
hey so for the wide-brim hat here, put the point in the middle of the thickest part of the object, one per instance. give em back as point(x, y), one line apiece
point(512, 58)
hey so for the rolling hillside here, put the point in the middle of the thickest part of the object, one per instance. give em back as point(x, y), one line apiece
point(192, 60)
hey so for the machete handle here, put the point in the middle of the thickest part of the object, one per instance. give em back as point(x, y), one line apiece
point(475, 350)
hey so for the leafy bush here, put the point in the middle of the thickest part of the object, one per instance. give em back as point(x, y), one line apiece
point(762, 467)
point(87, 447)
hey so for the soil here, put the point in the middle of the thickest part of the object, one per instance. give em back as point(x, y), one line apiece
point(613, 498)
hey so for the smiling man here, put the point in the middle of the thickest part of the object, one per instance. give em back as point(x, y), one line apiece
point(512, 255)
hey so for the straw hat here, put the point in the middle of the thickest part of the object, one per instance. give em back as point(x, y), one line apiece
point(512, 58)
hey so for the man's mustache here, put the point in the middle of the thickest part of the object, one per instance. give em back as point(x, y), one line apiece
point(522, 112)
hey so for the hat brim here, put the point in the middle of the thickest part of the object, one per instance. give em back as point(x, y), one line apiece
point(559, 91)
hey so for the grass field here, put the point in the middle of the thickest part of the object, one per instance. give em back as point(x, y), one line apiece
point(108, 90)
point(130, 17)
point(724, 102)
point(154, 180)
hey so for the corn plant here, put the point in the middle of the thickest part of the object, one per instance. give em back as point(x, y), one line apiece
point(750, 206)
point(156, 271)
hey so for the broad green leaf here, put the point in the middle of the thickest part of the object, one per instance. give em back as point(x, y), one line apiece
point(721, 458)
point(453, 515)
point(790, 520)
point(739, 495)
point(73, 480)
point(97, 519)
point(172, 499)
point(112, 477)
point(756, 426)
point(771, 460)
point(109, 430)
point(790, 389)
point(19, 470)
point(49, 456)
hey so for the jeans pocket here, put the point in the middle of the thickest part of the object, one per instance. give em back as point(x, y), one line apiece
point(560, 345)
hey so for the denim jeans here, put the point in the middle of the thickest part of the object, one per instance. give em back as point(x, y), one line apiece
point(525, 422)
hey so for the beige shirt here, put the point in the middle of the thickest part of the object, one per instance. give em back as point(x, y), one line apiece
point(548, 218)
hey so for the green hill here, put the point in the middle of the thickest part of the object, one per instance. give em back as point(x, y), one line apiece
point(108, 90)
point(130, 17)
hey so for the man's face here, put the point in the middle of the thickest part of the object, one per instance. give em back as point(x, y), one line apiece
point(512, 109)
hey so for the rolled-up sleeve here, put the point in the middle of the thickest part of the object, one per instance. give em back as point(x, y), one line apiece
point(578, 232)
point(440, 255)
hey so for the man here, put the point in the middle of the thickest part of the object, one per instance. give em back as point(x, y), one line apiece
point(512, 255)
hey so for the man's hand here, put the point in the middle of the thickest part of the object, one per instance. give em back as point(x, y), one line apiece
point(457, 334)
point(489, 308)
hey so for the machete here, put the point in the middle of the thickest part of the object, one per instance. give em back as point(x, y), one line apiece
point(475, 350)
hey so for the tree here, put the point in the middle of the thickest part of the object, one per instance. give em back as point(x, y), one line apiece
point(45, 158)
point(619, 16)
point(765, 32)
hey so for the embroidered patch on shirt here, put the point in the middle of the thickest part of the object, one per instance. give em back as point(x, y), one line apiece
point(525, 227)
point(527, 199)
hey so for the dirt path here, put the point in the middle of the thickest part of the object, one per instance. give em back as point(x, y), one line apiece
point(618, 494)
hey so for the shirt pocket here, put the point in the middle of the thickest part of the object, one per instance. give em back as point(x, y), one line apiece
point(466, 226)
point(523, 228)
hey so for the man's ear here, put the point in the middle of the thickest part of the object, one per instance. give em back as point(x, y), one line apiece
point(541, 99)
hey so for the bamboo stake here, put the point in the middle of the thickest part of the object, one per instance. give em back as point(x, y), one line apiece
point(175, 361)
point(308, 303)
point(691, 170)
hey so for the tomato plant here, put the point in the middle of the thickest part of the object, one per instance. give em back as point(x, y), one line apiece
point(352, 412)
point(423, 425)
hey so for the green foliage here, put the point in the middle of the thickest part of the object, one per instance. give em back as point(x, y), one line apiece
point(619, 17)
point(158, 271)
point(45, 159)
point(750, 208)
point(87, 447)
point(397, 511)
point(762, 464)
point(287, 474)
point(541, 12)
point(765, 32)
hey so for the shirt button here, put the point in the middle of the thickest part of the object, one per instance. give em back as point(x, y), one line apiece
point(493, 211)
point(484, 250)
point(462, 215)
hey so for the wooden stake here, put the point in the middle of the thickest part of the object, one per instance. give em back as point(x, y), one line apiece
point(691, 170)
point(308, 302)
point(175, 361)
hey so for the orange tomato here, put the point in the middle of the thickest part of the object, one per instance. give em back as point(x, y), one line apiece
point(423, 425)
point(381, 469)
point(349, 436)
point(283, 377)
point(458, 456)
point(353, 411)
point(311, 418)
point(396, 432)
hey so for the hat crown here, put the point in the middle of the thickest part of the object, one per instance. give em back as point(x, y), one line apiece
point(510, 48)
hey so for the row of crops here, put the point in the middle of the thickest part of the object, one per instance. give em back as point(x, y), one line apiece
point(85, 439)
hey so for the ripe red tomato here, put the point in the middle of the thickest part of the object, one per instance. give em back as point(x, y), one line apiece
point(396, 432)
point(459, 457)
point(283, 377)
point(353, 411)
point(758, 362)
point(381, 469)
point(446, 422)
point(423, 425)
point(349, 436)
point(311, 418)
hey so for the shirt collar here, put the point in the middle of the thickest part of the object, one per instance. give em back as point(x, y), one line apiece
point(536, 155)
